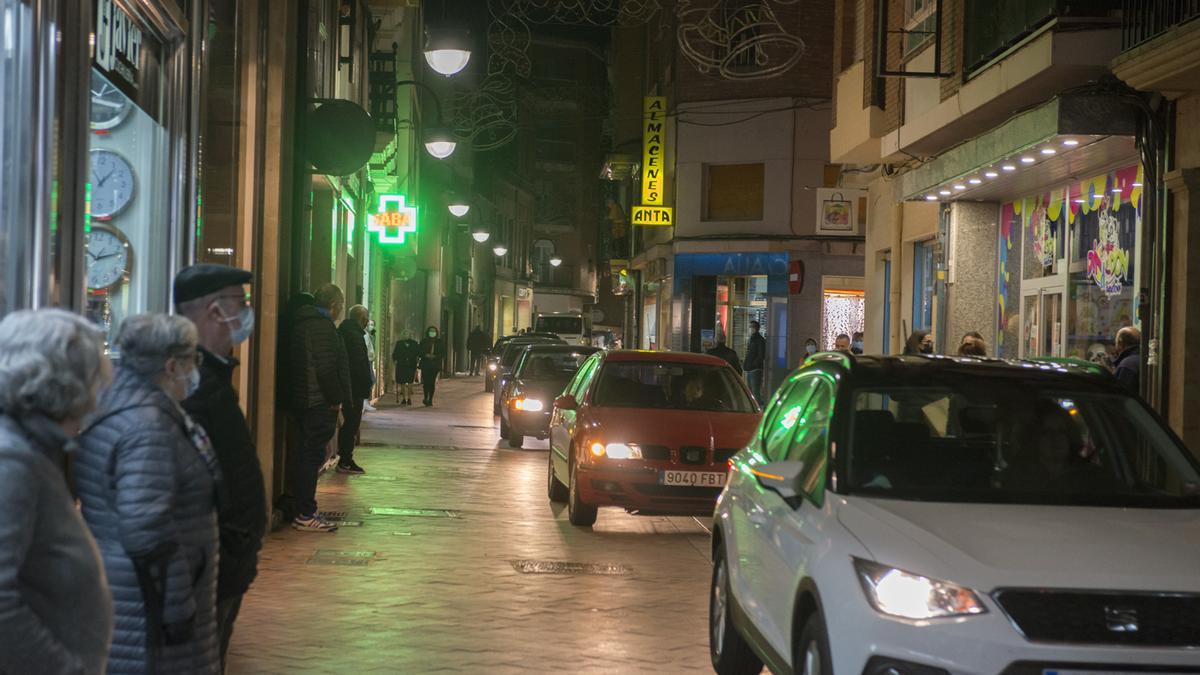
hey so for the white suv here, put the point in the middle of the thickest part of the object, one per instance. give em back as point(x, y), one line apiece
point(926, 515)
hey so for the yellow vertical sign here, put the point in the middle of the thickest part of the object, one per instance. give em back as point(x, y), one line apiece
point(654, 114)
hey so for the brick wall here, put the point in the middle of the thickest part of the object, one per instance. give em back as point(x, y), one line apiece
point(893, 87)
point(952, 46)
point(811, 20)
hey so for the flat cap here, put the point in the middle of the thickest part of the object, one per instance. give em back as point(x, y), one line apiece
point(198, 281)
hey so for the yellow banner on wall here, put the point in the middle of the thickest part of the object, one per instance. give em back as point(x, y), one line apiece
point(653, 215)
point(654, 115)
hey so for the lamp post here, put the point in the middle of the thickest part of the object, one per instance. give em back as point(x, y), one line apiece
point(439, 142)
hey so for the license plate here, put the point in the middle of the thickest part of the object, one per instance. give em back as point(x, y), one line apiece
point(692, 478)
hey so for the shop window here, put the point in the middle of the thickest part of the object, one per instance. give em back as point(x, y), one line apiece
point(842, 312)
point(16, 134)
point(733, 192)
point(920, 22)
point(923, 278)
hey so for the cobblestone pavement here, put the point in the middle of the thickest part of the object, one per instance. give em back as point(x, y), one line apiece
point(444, 566)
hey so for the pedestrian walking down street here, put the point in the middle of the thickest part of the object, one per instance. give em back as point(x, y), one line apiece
point(214, 298)
point(756, 358)
point(920, 342)
point(477, 344)
point(319, 388)
point(353, 330)
point(433, 350)
point(724, 352)
point(56, 613)
point(149, 484)
point(406, 356)
point(1128, 366)
point(369, 339)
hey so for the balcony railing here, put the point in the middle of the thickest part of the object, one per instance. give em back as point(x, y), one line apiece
point(993, 26)
point(1143, 20)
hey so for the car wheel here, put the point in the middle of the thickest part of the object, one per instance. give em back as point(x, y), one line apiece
point(504, 430)
point(555, 490)
point(514, 439)
point(812, 648)
point(730, 653)
point(583, 515)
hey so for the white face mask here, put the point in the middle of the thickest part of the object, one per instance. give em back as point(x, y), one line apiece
point(191, 382)
point(245, 319)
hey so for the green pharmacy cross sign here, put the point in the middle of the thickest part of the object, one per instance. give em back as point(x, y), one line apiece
point(393, 220)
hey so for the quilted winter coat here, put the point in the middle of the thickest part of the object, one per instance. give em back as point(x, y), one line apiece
point(146, 477)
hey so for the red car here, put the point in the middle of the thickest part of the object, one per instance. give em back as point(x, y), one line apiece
point(650, 432)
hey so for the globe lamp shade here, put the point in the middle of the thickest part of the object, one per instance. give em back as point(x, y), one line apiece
point(458, 209)
point(447, 51)
point(439, 143)
point(555, 261)
point(500, 249)
point(480, 234)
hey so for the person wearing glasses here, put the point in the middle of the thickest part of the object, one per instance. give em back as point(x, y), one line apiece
point(149, 484)
point(214, 298)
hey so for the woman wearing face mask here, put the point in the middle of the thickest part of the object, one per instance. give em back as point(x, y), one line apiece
point(920, 342)
point(149, 483)
point(433, 350)
point(55, 607)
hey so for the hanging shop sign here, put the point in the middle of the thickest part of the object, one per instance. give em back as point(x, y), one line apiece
point(651, 210)
point(393, 221)
point(118, 42)
point(653, 215)
point(129, 59)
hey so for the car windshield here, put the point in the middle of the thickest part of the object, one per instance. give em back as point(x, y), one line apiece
point(514, 349)
point(500, 344)
point(1010, 444)
point(560, 325)
point(551, 364)
point(678, 386)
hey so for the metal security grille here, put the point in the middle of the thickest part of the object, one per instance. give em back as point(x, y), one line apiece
point(1143, 619)
point(1143, 20)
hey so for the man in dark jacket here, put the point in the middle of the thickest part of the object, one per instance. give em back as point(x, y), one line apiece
point(215, 299)
point(353, 331)
point(319, 388)
point(1129, 362)
point(756, 358)
point(723, 351)
point(477, 344)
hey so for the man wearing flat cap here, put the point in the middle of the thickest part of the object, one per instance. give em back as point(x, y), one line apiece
point(214, 297)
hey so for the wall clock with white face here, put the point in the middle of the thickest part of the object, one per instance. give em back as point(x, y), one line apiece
point(112, 183)
point(110, 106)
point(109, 257)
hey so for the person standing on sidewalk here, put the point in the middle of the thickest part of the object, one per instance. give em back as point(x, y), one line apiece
point(477, 344)
point(56, 611)
point(433, 350)
point(1128, 366)
point(320, 387)
point(407, 357)
point(369, 339)
point(756, 358)
point(723, 351)
point(214, 298)
point(353, 330)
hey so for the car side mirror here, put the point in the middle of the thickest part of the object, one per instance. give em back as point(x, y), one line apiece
point(566, 402)
point(780, 477)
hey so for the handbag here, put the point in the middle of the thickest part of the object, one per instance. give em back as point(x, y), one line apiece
point(835, 213)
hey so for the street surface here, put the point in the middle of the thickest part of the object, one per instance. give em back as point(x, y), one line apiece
point(452, 561)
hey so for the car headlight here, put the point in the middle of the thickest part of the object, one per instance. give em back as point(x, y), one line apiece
point(911, 596)
point(491, 366)
point(528, 404)
point(616, 450)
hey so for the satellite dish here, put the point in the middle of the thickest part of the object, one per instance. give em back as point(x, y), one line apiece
point(340, 137)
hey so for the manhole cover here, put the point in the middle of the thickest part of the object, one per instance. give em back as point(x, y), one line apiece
point(352, 562)
point(577, 568)
point(330, 553)
point(414, 513)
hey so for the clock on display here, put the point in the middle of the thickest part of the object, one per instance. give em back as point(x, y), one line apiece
point(112, 183)
point(109, 257)
point(110, 106)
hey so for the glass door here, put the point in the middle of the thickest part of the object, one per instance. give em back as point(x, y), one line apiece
point(1042, 311)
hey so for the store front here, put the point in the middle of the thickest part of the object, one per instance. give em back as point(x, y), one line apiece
point(1068, 267)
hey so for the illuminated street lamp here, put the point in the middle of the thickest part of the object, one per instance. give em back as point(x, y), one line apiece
point(555, 261)
point(439, 143)
point(500, 250)
point(447, 51)
point(458, 208)
point(480, 234)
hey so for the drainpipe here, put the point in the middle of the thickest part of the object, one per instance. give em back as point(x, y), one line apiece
point(896, 341)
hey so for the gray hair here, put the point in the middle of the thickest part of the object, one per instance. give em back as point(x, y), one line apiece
point(328, 294)
point(147, 341)
point(358, 313)
point(51, 363)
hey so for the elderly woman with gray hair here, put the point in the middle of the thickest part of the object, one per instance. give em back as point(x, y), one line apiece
point(148, 481)
point(55, 608)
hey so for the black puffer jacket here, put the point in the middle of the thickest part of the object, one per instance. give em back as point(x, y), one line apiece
point(354, 339)
point(146, 477)
point(243, 520)
point(320, 371)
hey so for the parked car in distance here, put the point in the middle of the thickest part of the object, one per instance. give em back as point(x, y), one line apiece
point(649, 432)
point(942, 515)
point(508, 358)
point(539, 376)
point(492, 361)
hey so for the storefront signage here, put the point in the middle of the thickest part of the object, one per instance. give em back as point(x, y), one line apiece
point(393, 221)
point(654, 114)
point(653, 215)
point(118, 43)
